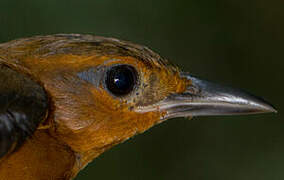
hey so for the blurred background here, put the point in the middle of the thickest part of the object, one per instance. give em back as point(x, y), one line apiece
point(236, 42)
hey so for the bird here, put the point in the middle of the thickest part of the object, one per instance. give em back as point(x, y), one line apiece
point(67, 98)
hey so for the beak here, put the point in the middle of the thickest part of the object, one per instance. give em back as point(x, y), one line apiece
point(203, 98)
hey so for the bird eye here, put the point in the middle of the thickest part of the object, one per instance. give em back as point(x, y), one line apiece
point(121, 79)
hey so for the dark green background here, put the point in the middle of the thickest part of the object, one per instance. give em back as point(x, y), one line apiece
point(237, 42)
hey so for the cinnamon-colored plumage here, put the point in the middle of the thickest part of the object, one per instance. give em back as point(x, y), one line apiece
point(75, 114)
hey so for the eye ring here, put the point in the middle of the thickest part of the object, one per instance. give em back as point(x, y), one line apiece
point(121, 80)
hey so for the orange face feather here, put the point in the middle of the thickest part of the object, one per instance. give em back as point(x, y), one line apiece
point(86, 117)
point(89, 119)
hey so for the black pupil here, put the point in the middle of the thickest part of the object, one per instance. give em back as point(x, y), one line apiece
point(121, 79)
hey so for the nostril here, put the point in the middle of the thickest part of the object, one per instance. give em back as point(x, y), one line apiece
point(193, 90)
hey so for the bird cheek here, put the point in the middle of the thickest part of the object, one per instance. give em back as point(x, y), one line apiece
point(147, 120)
point(126, 124)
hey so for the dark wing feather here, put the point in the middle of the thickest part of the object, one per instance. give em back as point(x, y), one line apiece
point(23, 105)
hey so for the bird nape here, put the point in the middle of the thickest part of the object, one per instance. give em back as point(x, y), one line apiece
point(67, 98)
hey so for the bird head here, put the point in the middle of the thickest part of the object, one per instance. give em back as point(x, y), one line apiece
point(104, 91)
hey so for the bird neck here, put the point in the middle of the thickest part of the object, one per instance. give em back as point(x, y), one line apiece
point(41, 157)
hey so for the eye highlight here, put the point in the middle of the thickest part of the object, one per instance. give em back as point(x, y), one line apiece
point(121, 80)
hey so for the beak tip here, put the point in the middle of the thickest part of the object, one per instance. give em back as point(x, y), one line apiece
point(267, 108)
point(263, 106)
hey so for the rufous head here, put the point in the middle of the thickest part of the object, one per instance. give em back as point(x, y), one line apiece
point(104, 91)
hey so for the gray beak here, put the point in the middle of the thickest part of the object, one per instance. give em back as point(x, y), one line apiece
point(203, 98)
